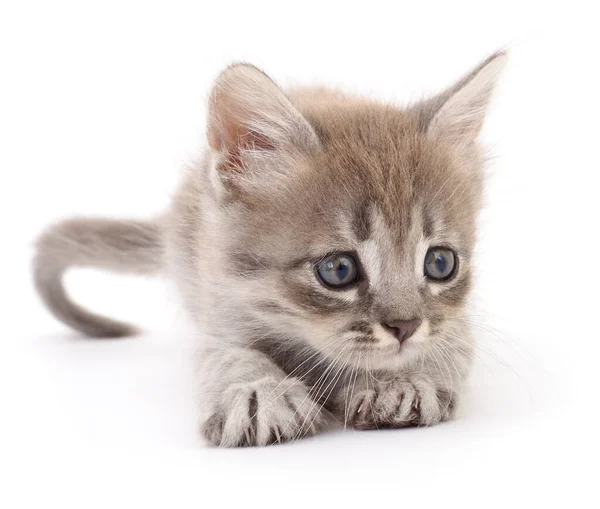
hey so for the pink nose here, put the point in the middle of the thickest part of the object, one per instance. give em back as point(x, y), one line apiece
point(402, 329)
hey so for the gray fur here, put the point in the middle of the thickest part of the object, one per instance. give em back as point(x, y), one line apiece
point(288, 179)
point(122, 246)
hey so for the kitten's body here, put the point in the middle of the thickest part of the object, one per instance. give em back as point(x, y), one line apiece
point(287, 181)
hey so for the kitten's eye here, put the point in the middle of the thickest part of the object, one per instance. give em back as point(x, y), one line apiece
point(338, 270)
point(440, 263)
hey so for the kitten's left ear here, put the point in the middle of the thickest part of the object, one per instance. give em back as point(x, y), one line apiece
point(457, 114)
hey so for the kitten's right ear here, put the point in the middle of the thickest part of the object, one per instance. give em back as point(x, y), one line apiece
point(457, 114)
point(250, 116)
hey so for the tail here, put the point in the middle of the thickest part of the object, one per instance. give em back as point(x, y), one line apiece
point(122, 246)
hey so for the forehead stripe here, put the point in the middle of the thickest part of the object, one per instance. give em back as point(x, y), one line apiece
point(361, 222)
point(427, 225)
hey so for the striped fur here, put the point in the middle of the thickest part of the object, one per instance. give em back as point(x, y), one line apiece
point(288, 179)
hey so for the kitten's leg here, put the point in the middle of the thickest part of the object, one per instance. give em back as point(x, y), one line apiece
point(412, 398)
point(248, 400)
point(399, 400)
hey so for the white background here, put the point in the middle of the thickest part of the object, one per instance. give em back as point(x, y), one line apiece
point(102, 105)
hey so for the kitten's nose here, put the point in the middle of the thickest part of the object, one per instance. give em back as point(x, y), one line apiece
point(402, 329)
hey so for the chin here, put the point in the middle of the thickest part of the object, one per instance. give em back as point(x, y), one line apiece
point(393, 359)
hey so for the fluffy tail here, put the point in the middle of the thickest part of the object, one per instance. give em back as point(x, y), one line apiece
point(123, 246)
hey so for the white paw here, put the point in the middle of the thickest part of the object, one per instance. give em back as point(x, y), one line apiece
point(404, 401)
point(263, 412)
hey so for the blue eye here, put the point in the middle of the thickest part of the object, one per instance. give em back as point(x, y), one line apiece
point(440, 263)
point(337, 271)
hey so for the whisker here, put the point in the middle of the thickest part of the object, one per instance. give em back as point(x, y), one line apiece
point(346, 405)
point(370, 402)
point(320, 381)
point(334, 382)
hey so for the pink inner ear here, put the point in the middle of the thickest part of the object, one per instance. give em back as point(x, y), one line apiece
point(230, 136)
point(234, 141)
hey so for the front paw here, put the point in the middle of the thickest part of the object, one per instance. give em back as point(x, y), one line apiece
point(412, 400)
point(263, 412)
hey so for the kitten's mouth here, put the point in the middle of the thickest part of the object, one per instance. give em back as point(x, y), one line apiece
point(372, 344)
point(404, 345)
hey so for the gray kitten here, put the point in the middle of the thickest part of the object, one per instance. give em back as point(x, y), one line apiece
point(323, 248)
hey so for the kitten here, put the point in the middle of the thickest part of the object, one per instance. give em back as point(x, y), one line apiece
point(323, 248)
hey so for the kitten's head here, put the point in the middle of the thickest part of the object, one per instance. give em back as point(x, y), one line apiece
point(348, 225)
